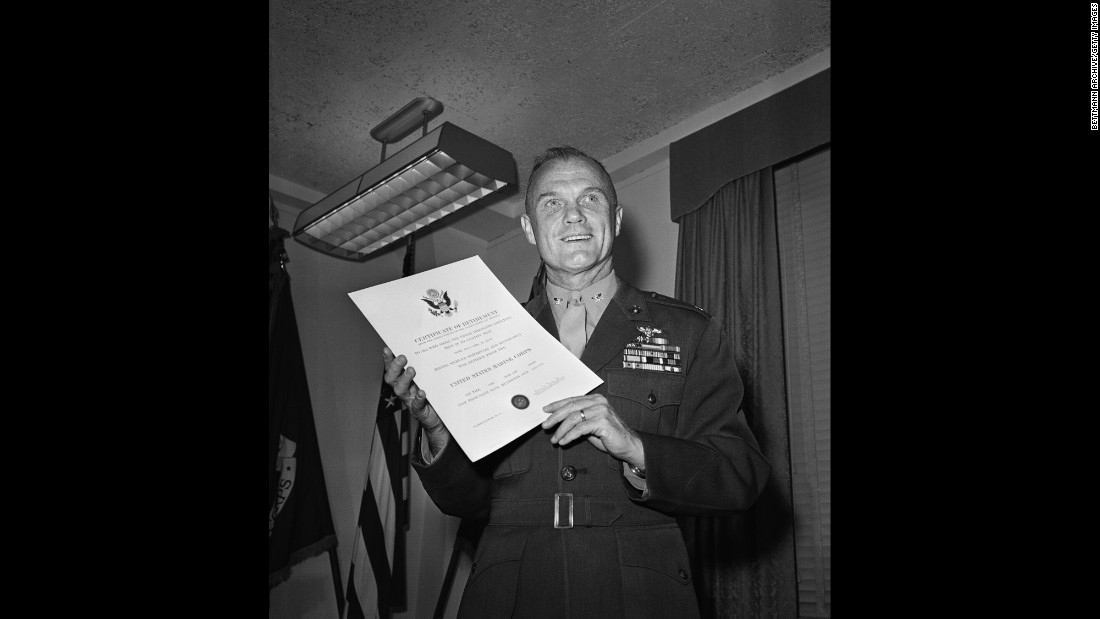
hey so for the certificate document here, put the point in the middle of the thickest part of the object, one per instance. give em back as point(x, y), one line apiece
point(487, 366)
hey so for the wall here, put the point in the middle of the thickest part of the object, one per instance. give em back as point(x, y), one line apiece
point(343, 353)
point(645, 251)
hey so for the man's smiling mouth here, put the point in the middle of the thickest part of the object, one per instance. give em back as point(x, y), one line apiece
point(577, 237)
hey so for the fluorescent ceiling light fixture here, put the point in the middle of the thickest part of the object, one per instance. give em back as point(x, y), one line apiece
point(445, 170)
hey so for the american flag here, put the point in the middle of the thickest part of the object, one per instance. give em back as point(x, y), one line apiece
point(376, 582)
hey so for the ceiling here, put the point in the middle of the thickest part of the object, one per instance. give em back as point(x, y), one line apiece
point(600, 75)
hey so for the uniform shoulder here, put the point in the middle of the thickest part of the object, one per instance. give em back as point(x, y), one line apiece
point(660, 299)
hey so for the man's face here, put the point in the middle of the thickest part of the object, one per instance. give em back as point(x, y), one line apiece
point(570, 219)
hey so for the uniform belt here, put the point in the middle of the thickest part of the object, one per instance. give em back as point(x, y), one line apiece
point(565, 511)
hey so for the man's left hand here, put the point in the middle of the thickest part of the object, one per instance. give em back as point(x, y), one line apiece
point(599, 423)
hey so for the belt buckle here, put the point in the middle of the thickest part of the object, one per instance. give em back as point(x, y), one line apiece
point(563, 510)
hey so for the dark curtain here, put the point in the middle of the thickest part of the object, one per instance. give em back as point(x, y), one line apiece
point(728, 264)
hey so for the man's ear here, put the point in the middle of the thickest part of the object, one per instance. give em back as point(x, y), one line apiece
point(528, 229)
point(618, 219)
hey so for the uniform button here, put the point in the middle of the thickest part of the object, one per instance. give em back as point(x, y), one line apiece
point(568, 472)
point(652, 399)
point(683, 574)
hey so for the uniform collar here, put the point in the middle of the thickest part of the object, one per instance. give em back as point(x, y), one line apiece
point(601, 291)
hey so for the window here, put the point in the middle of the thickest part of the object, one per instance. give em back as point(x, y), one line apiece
point(802, 194)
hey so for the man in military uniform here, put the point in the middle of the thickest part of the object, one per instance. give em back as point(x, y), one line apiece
point(582, 511)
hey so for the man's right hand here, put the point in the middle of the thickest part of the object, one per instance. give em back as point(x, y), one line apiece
point(416, 400)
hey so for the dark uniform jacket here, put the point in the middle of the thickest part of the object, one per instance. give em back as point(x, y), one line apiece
point(624, 556)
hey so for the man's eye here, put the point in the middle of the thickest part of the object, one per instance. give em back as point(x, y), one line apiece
point(591, 198)
point(552, 204)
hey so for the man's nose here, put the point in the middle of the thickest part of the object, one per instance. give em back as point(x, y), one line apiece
point(574, 214)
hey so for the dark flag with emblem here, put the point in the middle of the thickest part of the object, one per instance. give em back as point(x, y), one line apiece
point(376, 582)
point(299, 522)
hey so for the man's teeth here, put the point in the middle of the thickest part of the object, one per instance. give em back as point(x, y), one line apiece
point(578, 237)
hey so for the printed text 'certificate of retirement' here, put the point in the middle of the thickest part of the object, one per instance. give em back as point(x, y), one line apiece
point(487, 366)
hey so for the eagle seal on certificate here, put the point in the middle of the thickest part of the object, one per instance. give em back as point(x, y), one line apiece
point(441, 304)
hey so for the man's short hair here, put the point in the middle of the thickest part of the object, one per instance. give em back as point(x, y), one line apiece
point(565, 153)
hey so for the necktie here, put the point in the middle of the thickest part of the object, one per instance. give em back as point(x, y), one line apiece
point(573, 329)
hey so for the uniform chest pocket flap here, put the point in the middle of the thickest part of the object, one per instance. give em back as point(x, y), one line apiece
point(651, 390)
point(645, 400)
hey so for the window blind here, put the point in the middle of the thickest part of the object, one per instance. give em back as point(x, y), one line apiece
point(802, 194)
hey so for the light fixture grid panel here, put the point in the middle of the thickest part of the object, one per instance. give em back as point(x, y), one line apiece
point(458, 170)
point(479, 179)
point(465, 187)
point(441, 160)
point(404, 201)
point(322, 229)
point(389, 203)
point(401, 184)
point(432, 185)
point(364, 204)
point(421, 193)
point(455, 173)
point(451, 194)
point(386, 191)
point(431, 204)
point(445, 178)
point(406, 219)
point(358, 243)
point(386, 228)
point(424, 169)
point(417, 194)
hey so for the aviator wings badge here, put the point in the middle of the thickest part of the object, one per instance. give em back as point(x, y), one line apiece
point(647, 334)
